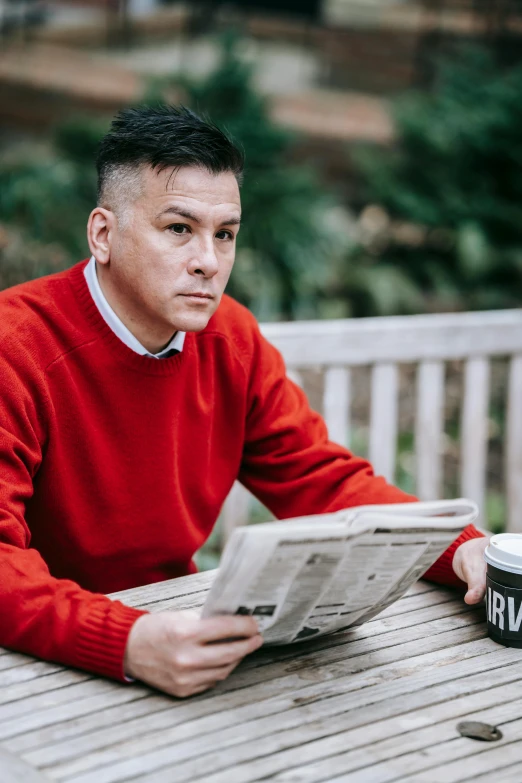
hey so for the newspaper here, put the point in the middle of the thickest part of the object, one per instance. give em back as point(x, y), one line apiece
point(315, 575)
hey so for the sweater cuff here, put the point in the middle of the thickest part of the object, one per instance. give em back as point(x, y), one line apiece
point(442, 569)
point(102, 638)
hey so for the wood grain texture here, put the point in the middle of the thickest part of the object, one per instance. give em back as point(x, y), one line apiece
point(429, 427)
point(336, 404)
point(14, 770)
point(235, 510)
point(513, 460)
point(412, 338)
point(474, 430)
point(379, 703)
point(383, 419)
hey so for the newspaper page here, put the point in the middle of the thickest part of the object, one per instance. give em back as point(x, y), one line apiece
point(314, 575)
point(381, 567)
point(276, 573)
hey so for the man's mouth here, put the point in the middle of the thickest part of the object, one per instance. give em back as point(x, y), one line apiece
point(198, 295)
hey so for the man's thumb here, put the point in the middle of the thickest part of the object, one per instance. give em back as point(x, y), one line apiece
point(474, 594)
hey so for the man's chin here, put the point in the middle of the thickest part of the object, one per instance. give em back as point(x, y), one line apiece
point(192, 322)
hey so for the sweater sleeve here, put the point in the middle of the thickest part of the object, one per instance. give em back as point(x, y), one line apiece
point(293, 468)
point(442, 569)
point(54, 619)
point(288, 461)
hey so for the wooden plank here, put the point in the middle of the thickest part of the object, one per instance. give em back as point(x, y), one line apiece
point(418, 731)
point(429, 427)
point(28, 671)
point(142, 740)
point(246, 688)
point(119, 725)
point(15, 770)
point(474, 431)
point(310, 722)
point(349, 661)
point(168, 727)
point(252, 681)
point(480, 759)
point(329, 705)
point(68, 706)
point(383, 419)
point(414, 338)
point(169, 588)
point(411, 756)
point(513, 458)
point(510, 774)
point(15, 662)
point(336, 404)
point(369, 751)
point(235, 510)
point(295, 376)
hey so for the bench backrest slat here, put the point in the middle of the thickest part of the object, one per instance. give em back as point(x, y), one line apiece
point(429, 426)
point(513, 453)
point(427, 341)
point(474, 430)
point(336, 403)
point(383, 418)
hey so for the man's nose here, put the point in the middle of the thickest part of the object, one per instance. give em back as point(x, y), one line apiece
point(205, 261)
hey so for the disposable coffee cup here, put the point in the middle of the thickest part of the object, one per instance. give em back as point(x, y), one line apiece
point(503, 557)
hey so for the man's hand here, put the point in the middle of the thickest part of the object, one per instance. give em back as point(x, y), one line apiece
point(182, 654)
point(469, 565)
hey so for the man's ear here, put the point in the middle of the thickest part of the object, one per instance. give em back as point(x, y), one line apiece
point(100, 233)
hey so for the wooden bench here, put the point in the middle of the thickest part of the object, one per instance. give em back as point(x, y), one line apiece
point(428, 341)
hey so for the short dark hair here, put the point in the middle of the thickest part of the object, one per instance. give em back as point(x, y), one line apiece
point(164, 137)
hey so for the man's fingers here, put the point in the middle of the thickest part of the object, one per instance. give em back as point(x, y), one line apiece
point(469, 565)
point(212, 656)
point(212, 676)
point(218, 629)
point(474, 596)
point(474, 576)
point(200, 681)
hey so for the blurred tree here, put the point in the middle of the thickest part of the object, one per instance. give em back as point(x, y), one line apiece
point(288, 237)
point(46, 193)
point(447, 233)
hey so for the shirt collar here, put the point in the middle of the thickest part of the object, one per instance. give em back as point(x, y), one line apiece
point(117, 326)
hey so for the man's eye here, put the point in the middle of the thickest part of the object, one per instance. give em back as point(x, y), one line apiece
point(179, 228)
point(224, 235)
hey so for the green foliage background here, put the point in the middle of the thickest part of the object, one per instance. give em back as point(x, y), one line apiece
point(286, 239)
point(451, 189)
point(443, 231)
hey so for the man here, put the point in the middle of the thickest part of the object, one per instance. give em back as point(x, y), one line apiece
point(132, 397)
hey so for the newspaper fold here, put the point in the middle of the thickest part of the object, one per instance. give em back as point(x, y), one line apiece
point(314, 575)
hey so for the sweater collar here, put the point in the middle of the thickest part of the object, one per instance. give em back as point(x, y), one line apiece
point(117, 325)
point(120, 350)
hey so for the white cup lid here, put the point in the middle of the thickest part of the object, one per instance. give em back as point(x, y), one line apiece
point(504, 551)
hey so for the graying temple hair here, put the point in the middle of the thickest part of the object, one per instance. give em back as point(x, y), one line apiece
point(122, 185)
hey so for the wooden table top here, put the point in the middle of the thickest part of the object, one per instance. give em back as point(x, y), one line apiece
point(380, 703)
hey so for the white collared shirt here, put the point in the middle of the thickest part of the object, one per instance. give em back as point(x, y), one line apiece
point(117, 326)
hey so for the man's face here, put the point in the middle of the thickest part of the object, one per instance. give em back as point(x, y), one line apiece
point(171, 257)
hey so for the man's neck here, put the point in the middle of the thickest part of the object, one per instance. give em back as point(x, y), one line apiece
point(153, 343)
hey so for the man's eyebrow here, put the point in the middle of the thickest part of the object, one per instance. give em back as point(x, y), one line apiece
point(234, 220)
point(181, 212)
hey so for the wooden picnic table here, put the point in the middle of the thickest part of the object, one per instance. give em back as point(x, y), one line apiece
point(380, 703)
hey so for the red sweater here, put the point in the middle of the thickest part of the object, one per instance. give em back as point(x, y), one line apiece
point(114, 466)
